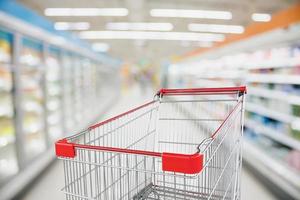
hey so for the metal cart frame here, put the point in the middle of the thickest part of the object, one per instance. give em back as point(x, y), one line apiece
point(185, 144)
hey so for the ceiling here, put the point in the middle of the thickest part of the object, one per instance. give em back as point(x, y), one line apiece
point(133, 51)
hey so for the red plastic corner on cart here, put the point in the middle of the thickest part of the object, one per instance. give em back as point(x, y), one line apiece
point(64, 149)
point(182, 163)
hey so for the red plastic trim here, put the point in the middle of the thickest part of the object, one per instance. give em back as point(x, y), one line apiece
point(202, 90)
point(188, 164)
point(181, 163)
point(65, 149)
point(120, 115)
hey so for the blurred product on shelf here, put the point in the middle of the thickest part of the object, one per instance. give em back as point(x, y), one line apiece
point(294, 159)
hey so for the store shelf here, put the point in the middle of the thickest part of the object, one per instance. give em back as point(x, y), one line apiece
point(33, 128)
point(259, 109)
point(5, 66)
point(273, 134)
point(5, 72)
point(54, 119)
point(214, 83)
point(272, 63)
point(228, 74)
point(31, 68)
point(6, 139)
point(273, 78)
point(53, 105)
point(5, 111)
point(274, 94)
point(274, 170)
point(32, 107)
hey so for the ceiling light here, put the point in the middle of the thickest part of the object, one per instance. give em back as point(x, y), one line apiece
point(100, 47)
point(261, 17)
point(205, 14)
point(139, 26)
point(150, 35)
point(71, 25)
point(216, 28)
point(86, 12)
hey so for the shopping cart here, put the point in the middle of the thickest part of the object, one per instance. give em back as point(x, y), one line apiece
point(185, 144)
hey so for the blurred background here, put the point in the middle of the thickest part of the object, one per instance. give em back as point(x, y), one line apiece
point(65, 64)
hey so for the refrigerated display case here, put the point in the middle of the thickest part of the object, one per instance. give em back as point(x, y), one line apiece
point(94, 86)
point(78, 92)
point(8, 159)
point(68, 91)
point(54, 93)
point(32, 97)
point(44, 68)
point(99, 81)
point(86, 87)
point(104, 82)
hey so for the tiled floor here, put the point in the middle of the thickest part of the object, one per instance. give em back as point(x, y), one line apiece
point(48, 186)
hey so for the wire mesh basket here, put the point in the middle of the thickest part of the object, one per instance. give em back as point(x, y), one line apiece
point(185, 144)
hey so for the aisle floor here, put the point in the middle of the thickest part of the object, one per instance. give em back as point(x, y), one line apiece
point(48, 186)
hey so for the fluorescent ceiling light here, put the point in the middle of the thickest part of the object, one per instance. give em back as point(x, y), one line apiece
point(150, 35)
point(72, 26)
point(216, 28)
point(139, 26)
point(205, 14)
point(86, 12)
point(261, 17)
point(100, 47)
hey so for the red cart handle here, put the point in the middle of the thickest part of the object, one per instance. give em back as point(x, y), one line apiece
point(191, 91)
point(172, 162)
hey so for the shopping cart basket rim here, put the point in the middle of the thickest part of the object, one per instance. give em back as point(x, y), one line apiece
point(174, 162)
point(180, 91)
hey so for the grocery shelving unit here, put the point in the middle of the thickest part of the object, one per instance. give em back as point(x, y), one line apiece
point(49, 88)
point(270, 67)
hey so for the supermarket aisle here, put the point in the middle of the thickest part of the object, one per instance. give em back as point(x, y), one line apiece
point(47, 187)
point(253, 189)
point(49, 184)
